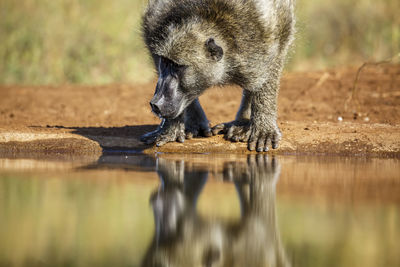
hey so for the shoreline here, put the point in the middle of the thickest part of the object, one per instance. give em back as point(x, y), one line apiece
point(299, 138)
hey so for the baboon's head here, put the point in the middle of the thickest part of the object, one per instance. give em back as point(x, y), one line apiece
point(188, 61)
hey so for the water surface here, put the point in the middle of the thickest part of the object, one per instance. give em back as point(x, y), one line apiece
point(200, 210)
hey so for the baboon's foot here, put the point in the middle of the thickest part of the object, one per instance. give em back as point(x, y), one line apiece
point(197, 128)
point(262, 135)
point(170, 130)
point(259, 136)
point(235, 131)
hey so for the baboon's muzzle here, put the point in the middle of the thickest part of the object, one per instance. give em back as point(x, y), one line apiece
point(167, 100)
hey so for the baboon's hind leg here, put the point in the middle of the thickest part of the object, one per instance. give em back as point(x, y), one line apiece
point(196, 123)
point(238, 129)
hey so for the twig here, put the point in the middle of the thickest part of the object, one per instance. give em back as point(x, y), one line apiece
point(353, 96)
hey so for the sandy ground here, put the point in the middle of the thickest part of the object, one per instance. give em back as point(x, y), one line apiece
point(88, 119)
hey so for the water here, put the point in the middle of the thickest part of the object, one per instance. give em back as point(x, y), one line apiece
point(200, 210)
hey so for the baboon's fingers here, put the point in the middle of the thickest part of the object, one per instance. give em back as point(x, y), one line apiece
point(192, 133)
point(195, 133)
point(207, 132)
point(162, 141)
point(189, 135)
point(166, 138)
point(235, 138)
point(253, 140)
point(267, 142)
point(181, 138)
point(275, 140)
point(230, 133)
point(237, 134)
point(244, 137)
point(261, 143)
point(218, 129)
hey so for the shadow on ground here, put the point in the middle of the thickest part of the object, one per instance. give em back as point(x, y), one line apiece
point(124, 138)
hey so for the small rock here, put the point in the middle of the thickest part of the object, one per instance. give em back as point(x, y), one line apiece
point(340, 118)
point(366, 119)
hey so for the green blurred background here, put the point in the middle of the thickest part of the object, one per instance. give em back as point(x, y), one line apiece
point(99, 42)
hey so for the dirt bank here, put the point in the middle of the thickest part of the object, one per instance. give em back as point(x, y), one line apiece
point(316, 115)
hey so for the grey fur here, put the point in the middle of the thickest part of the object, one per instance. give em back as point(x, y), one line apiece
point(221, 42)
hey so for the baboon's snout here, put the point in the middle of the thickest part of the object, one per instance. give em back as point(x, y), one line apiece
point(155, 108)
point(167, 101)
point(165, 109)
point(162, 107)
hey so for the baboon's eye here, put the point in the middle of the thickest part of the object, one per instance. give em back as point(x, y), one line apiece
point(178, 69)
point(172, 63)
point(176, 65)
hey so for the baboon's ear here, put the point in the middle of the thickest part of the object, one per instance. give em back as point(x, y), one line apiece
point(215, 51)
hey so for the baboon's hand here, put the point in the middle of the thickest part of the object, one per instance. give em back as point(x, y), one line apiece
point(235, 131)
point(197, 128)
point(170, 130)
point(262, 135)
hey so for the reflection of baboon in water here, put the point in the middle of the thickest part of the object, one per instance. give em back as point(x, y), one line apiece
point(183, 238)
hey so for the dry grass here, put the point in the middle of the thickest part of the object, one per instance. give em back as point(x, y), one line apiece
point(345, 32)
point(98, 41)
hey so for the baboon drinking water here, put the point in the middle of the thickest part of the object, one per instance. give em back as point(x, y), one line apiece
point(196, 44)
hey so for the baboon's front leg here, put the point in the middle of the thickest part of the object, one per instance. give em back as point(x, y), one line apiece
point(263, 127)
point(255, 121)
point(191, 123)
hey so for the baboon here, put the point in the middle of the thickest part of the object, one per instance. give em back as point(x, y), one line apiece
point(182, 237)
point(197, 44)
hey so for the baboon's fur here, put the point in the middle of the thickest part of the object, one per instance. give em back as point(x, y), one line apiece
point(220, 42)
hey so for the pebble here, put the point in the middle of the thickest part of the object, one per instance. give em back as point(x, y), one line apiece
point(340, 118)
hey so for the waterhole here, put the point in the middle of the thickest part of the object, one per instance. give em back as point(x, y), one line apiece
point(199, 210)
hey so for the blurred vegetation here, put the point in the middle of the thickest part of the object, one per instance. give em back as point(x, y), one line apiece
point(71, 41)
point(333, 33)
point(98, 41)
